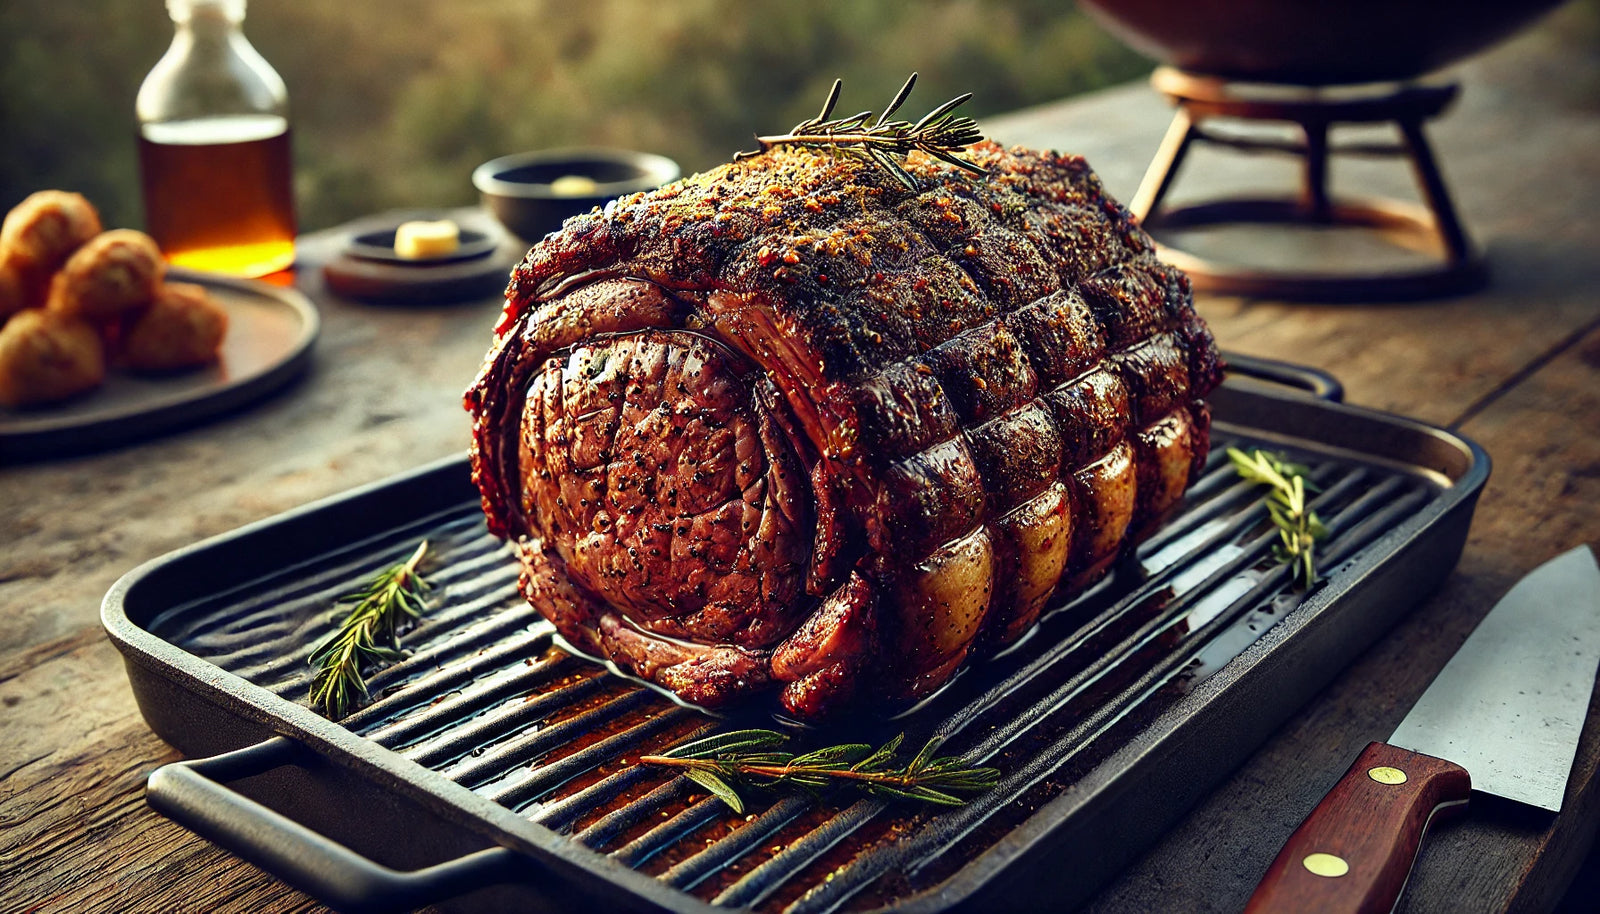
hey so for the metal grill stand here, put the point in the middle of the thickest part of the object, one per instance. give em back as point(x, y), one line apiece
point(1435, 227)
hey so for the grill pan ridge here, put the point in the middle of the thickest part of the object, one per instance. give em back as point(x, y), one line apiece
point(493, 748)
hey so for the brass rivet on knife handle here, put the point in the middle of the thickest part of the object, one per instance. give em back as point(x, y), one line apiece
point(1384, 774)
point(1329, 865)
point(1374, 829)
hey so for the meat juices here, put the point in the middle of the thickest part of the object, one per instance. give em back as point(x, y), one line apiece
point(789, 424)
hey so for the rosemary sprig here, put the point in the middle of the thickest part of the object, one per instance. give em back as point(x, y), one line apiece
point(1298, 527)
point(755, 758)
point(369, 632)
point(940, 133)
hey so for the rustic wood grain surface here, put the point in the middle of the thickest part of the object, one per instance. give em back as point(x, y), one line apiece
point(1516, 366)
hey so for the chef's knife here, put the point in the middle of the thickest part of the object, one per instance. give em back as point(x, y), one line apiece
point(1508, 708)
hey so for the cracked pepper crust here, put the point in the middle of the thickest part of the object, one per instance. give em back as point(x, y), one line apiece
point(789, 423)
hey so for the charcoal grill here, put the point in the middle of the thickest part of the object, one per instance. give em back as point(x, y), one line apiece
point(492, 771)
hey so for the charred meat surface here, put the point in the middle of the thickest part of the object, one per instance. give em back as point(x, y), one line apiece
point(789, 424)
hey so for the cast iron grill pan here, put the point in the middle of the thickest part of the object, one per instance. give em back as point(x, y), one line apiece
point(495, 749)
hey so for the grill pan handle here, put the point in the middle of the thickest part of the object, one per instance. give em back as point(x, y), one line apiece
point(1317, 383)
point(191, 793)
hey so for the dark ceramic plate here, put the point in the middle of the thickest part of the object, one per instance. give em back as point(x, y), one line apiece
point(379, 246)
point(270, 334)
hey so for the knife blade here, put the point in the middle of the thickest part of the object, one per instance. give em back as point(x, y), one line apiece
point(1502, 717)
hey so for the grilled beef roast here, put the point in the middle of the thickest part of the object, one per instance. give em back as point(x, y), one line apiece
point(791, 424)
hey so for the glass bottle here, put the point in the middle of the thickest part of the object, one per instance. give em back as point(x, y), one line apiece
point(214, 147)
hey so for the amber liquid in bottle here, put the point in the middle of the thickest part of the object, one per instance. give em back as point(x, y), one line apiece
point(219, 192)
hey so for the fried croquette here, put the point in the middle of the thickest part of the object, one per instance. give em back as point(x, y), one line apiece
point(42, 231)
point(182, 328)
point(45, 357)
point(113, 274)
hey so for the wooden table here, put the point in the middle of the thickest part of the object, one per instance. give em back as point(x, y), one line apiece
point(1516, 367)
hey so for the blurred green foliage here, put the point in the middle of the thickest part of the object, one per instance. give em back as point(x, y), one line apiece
point(394, 102)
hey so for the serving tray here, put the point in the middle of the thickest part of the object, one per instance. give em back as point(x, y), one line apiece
point(492, 770)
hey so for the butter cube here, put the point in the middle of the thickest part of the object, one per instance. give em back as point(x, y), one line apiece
point(425, 240)
point(573, 186)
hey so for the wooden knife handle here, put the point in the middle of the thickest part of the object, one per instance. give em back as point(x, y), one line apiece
point(1352, 855)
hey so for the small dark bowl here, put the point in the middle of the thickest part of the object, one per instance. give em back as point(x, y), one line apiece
point(517, 188)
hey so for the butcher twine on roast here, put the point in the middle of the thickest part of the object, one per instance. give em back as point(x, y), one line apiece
point(789, 423)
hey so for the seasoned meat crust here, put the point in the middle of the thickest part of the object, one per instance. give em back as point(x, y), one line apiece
point(790, 424)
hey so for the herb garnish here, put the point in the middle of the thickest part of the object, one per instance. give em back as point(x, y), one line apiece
point(370, 632)
point(754, 758)
point(941, 134)
point(1298, 527)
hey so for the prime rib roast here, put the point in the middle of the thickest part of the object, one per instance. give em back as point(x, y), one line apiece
point(793, 425)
